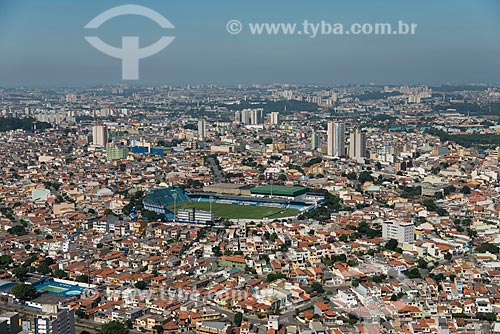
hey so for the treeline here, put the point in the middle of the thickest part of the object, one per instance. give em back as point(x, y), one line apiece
point(268, 106)
point(457, 88)
point(375, 95)
point(472, 108)
point(11, 123)
point(483, 140)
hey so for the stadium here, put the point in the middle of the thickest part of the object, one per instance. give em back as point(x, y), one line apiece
point(231, 201)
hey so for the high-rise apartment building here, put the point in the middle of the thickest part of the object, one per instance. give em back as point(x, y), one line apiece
point(9, 323)
point(275, 118)
point(315, 140)
point(53, 320)
point(100, 135)
point(357, 144)
point(336, 139)
point(249, 116)
point(201, 129)
point(116, 153)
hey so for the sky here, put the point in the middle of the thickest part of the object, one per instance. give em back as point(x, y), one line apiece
point(42, 43)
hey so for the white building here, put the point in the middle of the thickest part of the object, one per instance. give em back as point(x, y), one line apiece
point(402, 232)
point(201, 129)
point(483, 305)
point(249, 116)
point(53, 320)
point(336, 139)
point(100, 135)
point(357, 144)
point(275, 118)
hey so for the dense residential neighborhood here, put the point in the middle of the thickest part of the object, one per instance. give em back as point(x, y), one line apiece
point(253, 209)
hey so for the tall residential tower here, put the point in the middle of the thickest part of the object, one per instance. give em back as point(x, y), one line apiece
point(100, 135)
point(336, 139)
point(357, 144)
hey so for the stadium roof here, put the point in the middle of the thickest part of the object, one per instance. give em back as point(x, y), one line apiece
point(229, 186)
point(162, 197)
point(277, 190)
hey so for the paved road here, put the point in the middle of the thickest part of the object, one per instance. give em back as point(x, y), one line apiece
point(214, 167)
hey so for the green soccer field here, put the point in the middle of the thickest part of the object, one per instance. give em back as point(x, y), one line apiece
point(233, 211)
point(55, 289)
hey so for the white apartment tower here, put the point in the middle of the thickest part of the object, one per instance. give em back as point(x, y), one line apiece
point(100, 135)
point(201, 129)
point(53, 320)
point(275, 118)
point(249, 116)
point(336, 139)
point(357, 144)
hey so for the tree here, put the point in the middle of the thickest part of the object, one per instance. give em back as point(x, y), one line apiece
point(316, 286)
point(128, 323)
point(448, 256)
point(365, 177)
point(20, 272)
point(24, 291)
point(438, 278)
point(59, 273)
point(238, 318)
point(158, 329)
point(108, 212)
point(43, 269)
point(5, 261)
point(352, 263)
point(81, 314)
point(465, 190)
point(486, 316)
point(429, 205)
point(113, 327)
point(392, 244)
point(216, 251)
point(274, 276)
point(422, 264)
point(487, 247)
point(198, 253)
point(17, 230)
point(378, 278)
point(82, 278)
point(141, 285)
point(413, 273)
point(449, 189)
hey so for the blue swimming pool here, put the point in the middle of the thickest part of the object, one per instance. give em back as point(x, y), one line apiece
point(59, 288)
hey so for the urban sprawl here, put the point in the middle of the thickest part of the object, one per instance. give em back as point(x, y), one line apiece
point(277, 209)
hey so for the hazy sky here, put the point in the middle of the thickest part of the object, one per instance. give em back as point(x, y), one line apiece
point(42, 43)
